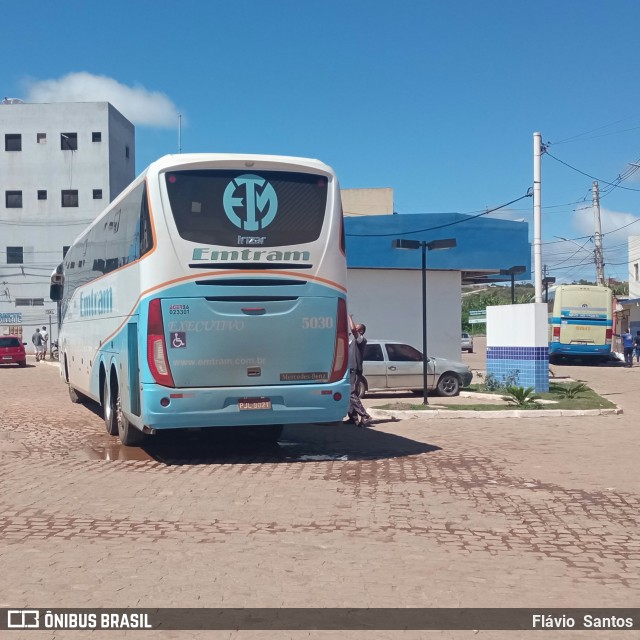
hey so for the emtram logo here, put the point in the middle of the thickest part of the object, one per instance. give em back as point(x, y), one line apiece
point(254, 210)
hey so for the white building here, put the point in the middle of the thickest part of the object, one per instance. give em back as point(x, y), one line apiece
point(60, 165)
point(634, 266)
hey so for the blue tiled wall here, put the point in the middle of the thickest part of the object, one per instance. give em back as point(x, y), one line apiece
point(531, 363)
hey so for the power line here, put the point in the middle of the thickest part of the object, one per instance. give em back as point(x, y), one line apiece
point(566, 164)
point(604, 126)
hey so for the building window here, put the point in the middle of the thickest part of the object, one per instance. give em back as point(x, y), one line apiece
point(69, 141)
point(70, 198)
point(97, 194)
point(13, 142)
point(126, 152)
point(65, 248)
point(15, 255)
point(96, 136)
point(13, 199)
point(29, 302)
point(42, 194)
point(41, 138)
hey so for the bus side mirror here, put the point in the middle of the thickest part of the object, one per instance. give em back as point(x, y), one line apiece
point(55, 292)
point(57, 286)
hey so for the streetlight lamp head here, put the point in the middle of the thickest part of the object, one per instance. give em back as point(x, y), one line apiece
point(445, 243)
point(405, 244)
point(511, 271)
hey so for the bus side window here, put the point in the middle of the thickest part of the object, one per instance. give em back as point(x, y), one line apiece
point(146, 234)
point(551, 296)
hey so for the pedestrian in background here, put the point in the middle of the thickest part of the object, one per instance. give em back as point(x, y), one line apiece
point(45, 341)
point(636, 344)
point(627, 346)
point(36, 338)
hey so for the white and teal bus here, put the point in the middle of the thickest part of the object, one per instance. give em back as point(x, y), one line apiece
point(211, 292)
point(580, 322)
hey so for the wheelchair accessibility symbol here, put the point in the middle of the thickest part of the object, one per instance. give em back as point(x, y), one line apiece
point(178, 340)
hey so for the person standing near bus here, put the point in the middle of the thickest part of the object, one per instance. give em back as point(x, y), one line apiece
point(357, 413)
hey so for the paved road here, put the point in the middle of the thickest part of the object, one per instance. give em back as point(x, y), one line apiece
point(420, 513)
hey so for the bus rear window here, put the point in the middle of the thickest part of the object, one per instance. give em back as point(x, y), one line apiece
point(235, 208)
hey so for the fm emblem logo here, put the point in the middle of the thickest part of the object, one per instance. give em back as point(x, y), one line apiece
point(257, 209)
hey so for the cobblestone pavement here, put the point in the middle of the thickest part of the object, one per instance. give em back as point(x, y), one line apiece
point(414, 513)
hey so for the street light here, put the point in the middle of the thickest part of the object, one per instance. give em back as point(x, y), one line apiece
point(512, 272)
point(546, 281)
point(434, 245)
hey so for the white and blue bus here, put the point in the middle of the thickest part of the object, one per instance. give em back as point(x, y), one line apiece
point(580, 322)
point(211, 292)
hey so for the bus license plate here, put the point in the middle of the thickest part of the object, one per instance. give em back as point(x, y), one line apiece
point(249, 404)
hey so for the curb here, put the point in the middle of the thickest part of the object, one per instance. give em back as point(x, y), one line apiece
point(515, 413)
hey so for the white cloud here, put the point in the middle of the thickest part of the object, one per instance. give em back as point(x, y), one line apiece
point(141, 106)
point(616, 226)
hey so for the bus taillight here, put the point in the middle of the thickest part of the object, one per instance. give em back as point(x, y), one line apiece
point(556, 334)
point(156, 346)
point(608, 336)
point(340, 354)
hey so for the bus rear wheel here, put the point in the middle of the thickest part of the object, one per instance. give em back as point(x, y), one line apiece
point(109, 408)
point(129, 435)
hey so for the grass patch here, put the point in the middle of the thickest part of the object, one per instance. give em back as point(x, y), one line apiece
point(561, 395)
point(586, 399)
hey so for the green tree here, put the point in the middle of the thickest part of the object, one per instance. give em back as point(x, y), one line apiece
point(490, 298)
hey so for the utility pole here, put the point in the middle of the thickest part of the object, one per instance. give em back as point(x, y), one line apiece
point(537, 215)
point(598, 237)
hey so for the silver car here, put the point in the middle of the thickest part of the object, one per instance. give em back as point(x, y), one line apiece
point(390, 365)
point(467, 343)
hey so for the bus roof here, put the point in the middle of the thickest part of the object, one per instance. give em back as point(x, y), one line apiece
point(241, 160)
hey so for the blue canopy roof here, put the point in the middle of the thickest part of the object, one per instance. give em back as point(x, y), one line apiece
point(484, 245)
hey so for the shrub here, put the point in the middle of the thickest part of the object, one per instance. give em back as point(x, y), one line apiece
point(521, 397)
point(571, 391)
point(492, 384)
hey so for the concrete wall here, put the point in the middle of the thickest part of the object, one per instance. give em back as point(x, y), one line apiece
point(634, 266)
point(517, 341)
point(121, 143)
point(389, 302)
point(369, 202)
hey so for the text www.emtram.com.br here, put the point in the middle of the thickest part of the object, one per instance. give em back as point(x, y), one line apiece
point(221, 362)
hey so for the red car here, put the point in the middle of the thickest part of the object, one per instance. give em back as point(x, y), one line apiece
point(12, 351)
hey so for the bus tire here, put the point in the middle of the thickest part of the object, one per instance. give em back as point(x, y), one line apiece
point(109, 408)
point(128, 434)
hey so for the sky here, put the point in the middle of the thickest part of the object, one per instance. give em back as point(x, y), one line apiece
point(437, 100)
